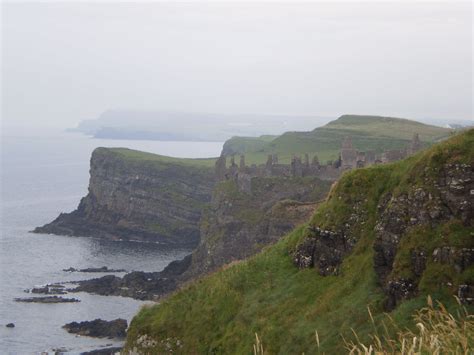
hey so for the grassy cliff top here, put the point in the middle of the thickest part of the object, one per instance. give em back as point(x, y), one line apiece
point(387, 127)
point(246, 144)
point(268, 295)
point(367, 132)
point(139, 156)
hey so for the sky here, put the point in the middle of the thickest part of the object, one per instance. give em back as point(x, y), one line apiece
point(67, 61)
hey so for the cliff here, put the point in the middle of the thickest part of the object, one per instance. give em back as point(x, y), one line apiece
point(239, 224)
point(140, 196)
point(233, 226)
point(386, 237)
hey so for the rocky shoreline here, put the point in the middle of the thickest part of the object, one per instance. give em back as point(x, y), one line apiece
point(47, 299)
point(99, 328)
point(95, 269)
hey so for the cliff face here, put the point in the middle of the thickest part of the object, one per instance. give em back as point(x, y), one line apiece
point(137, 196)
point(239, 224)
point(234, 226)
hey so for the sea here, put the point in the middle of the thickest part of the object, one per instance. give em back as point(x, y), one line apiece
point(42, 176)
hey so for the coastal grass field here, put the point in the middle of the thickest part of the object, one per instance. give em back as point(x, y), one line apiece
point(139, 156)
point(367, 133)
point(268, 295)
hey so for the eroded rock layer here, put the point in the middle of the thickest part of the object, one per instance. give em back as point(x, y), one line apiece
point(132, 197)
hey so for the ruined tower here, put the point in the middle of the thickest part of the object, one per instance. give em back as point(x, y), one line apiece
point(415, 144)
point(242, 163)
point(296, 166)
point(220, 168)
point(347, 143)
point(315, 161)
point(233, 168)
point(348, 154)
point(269, 161)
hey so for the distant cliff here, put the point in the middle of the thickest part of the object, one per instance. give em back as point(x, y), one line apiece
point(140, 196)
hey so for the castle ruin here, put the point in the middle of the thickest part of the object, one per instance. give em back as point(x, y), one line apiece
point(349, 158)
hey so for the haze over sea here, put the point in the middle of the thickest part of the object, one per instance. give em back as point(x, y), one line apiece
point(41, 177)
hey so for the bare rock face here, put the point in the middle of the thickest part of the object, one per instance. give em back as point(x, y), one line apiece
point(466, 293)
point(448, 196)
point(239, 224)
point(323, 250)
point(138, 199)
point(459, 258)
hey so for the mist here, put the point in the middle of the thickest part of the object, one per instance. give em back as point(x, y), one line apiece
point(66, 62)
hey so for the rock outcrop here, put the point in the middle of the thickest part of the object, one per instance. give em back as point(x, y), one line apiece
point(239, 224)
point(423, 219)
point(99, 328)
point(446, 194)
point(139, 196)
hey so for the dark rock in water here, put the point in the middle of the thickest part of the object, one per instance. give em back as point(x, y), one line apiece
point(55, 285)
point(139, 285)
point(105, 351)
point(99, 328)
point(94, 269)
point(48, 290)
point(10, 325)
point(47, 299)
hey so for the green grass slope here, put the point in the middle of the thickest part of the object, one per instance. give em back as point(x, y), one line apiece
point(131, 155)
point(367, 132)
point(242, 145)
point(268, 295)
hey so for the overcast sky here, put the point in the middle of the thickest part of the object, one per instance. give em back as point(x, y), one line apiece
point(63, 62)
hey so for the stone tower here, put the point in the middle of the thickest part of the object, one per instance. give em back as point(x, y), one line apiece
point(315, 161)
point(220, 168)
point(415, 144)
point(306, 160)
point(296, 166)
point(348, 154)
point(242, 163)
point(347, 143)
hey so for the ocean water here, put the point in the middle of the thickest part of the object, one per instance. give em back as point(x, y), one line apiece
point(42, 177)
